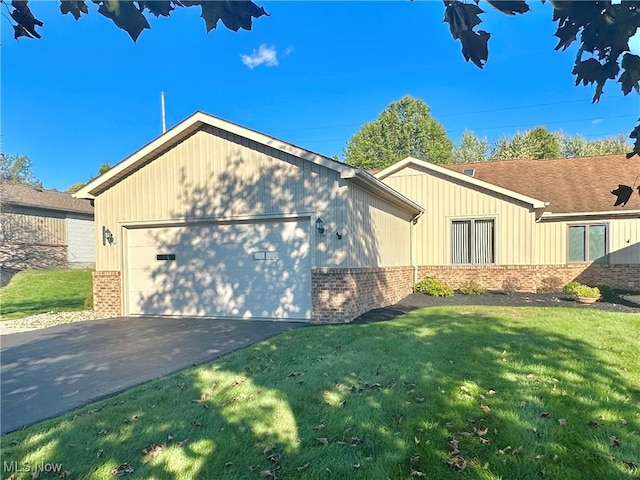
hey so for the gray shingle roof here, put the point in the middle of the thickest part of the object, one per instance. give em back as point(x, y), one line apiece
point(28, 196)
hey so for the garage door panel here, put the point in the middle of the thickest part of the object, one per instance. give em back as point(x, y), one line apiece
point(244, 270)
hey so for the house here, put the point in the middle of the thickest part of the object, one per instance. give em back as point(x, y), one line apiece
point(213, 219)
point(525, 220)
point(44, 229)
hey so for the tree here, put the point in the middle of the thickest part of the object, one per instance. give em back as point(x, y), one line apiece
point(405, 128)
point(536, 143)
point(578, 146)
point(18, 169)
point(470, 149)
point(104, 168)
point(74, 187)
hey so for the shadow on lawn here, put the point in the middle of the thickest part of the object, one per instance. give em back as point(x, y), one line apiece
point(385, 398)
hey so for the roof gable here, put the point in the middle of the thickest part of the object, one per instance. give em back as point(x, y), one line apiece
point(569, 185)
point(467, 180)
point(28, 196)
point(199, 120)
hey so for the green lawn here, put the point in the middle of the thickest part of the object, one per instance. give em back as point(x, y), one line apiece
point(38, 291)
point(440, 393)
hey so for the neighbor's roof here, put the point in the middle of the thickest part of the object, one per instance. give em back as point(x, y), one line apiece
point(198, 120)
point(28, 196)
point(570, 185)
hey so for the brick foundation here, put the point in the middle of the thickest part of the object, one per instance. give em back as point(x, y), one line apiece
point(26, 256)
point(530, 276)
point(106, 294)
point(339, 295)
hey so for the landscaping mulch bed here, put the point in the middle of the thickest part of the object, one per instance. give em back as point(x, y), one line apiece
point(492, 298)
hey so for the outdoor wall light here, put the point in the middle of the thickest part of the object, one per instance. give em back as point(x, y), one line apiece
point(319, 227)
point(339, 235)
point(107, 236)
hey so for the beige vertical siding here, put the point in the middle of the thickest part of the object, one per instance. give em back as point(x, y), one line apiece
point(33, 225)
point(213, 174)
point(623, 240)
point(445, 200)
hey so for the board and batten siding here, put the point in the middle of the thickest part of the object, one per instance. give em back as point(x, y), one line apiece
point(446, 200)
point(623, 240)
point(33, 225)
point(214, 174)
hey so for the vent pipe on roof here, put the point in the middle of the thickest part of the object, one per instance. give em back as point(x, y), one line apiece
point(469, 171)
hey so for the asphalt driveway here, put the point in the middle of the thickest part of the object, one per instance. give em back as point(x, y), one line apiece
point(50, 371)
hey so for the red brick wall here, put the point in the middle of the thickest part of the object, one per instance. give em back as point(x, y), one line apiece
point(106, 294)
point(339, 295)
point(531, 276)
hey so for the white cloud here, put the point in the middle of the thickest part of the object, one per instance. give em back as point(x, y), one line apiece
point(596, 121)
point(264, 55)
point(288, 50)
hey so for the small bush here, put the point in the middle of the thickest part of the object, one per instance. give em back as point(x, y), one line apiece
point(550, 285)
point(570, 288)
point(587, 292)
point(511, 285)
point(471, 287)
point(434, 287)
point(607, 293)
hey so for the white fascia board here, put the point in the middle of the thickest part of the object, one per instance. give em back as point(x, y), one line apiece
point(461, 177)
point(184, 129)
point(371, 184)
point(608, 214)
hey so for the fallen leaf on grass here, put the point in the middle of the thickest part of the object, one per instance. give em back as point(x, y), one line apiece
point(66, 474)
point(153, 449)
point(545, 415)
point(531, 375)
point(122, 469)
point(614, 442)
point(491, 392)
point(203, 398)
point(100, 453)
point(323, 440)
point(563, 421)
point(296, 374)
point(103, 432)
point(238, 382)
point(631, 465)
point(303, 467)
point(415, 458)
point(457, 462)
point(182, 443)
point(485, 408)
point(356, 466)
point(228, 464)
point(479, 432)
point(320, 426)
point(611, 458)
point(465, 389)
point(196, 424)
point(484, 440)
point(416, 473)
point(623, 421)
point(593, 424)
point(268, 473)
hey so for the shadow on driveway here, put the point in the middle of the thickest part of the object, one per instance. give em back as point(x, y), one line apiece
point(50, 371)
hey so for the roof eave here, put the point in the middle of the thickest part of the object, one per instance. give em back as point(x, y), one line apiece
point(604, 213)
point(370, 183)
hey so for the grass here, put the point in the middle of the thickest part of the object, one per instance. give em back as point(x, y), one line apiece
point(513, 393)
point(31, 292)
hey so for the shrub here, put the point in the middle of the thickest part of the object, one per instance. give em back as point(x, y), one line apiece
point(471, 287)
point(434, 287)
point(587, 292)
point(570, 288)
point(550, 285)
point(511, 284)
point(607, 293)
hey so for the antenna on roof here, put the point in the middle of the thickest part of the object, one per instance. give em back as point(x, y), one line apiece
point(164, 123)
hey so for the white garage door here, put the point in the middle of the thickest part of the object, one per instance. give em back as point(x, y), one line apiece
point(240, 269)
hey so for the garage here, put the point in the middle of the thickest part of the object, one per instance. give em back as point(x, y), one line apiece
point(247, 269)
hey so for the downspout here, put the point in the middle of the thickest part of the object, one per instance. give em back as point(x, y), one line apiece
point(412, 246)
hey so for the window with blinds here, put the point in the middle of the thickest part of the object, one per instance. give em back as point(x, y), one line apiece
point(473, 241)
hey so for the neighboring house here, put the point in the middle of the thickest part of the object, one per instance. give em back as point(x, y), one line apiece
point(524, 219)
point(214, 219)
point(44, 229)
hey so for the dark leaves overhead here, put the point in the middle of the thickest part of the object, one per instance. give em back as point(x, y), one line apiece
point(635, 134)
point(592, 71)
point(623, 192)
point(75, 8)
point(130, 15)
point(462, 19)
point(25, 19)
point(631, 73)
point(126, 16)
point(509, 7)
point(234, 14)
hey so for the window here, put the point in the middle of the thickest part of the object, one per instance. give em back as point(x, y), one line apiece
point(587, 243)
point(472, 241)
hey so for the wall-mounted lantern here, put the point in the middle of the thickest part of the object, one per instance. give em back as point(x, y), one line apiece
point(107, 236)
point(319, 227)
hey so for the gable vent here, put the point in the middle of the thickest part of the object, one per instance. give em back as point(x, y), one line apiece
point(469, 171)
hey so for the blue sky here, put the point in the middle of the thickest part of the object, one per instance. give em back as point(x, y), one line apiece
point(85, 94)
